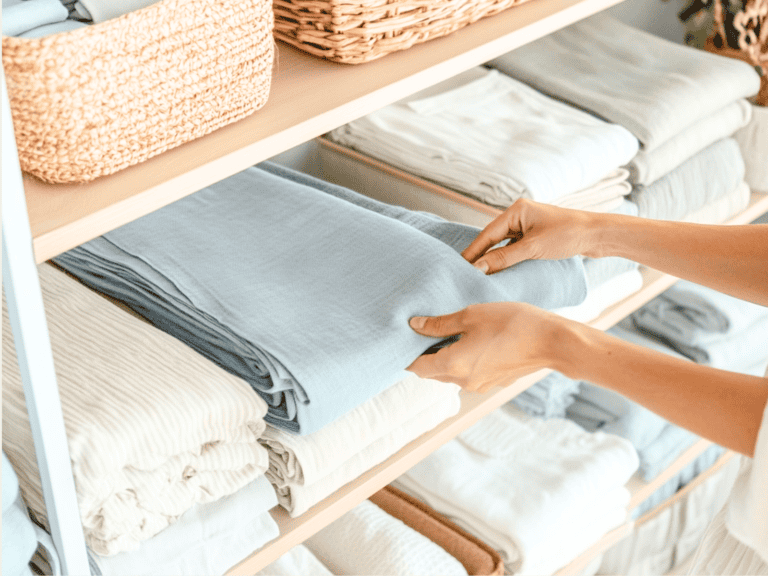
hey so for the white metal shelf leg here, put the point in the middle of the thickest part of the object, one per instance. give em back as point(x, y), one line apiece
point(33, 348)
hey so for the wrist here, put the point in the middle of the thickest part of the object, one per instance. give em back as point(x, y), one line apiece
point(600, 234)
point(568, 348)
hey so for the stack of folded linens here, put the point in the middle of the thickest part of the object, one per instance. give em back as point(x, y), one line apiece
point(678, 101)
point(36, 18)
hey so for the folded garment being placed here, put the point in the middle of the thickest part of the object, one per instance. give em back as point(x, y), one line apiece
point(306, 469)
point(298, 561)
point(304, 288)
point(647, 167)
point(152, 427)
point(101, 10)
point(24, 16)
point(651, 86)
point(706, 326)
point(498, 140)
point(539, 491)
point(367, 540)
point(207, 539)
point(711, 174)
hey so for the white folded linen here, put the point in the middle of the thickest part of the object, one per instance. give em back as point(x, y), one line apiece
point(653, 87)
point(723, 208)
point(101, 10)
point(605, 196)
point(152, 427)
point(496, 139)
point(306, 469)
point(648, 166)
point(367, 540)
point(19, 541)
point(207, 539)
point(538, 491)
point(298, 561)
point(713, 173)
point(24, 16)
point(753, 141)
point(50, 29)
point(602, 297)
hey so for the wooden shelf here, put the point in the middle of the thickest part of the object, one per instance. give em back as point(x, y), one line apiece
point(309, 97)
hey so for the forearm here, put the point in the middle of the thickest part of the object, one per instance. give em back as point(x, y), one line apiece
point(722, 406)
point(731, 259)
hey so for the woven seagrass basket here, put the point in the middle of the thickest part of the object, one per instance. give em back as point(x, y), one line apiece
point(92, 101)
point(357, 31)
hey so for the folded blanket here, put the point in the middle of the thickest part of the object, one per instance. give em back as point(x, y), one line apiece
point(648, 166)
point(367, 540)
point(298, 561)
point(314, 316)
point(24, 16)
point(152, 427)
point(207, 539)
point(723, 208)
point(19, 540)
point(549, 397)
point(101, 10)
point(49, 29)
point(753, 141)
point(604, 296)
point(706, 325)
point(539, 491)
point(653, 87)
point(711, 174)
point(497, 140)
point(605, 196)
point(307, 469)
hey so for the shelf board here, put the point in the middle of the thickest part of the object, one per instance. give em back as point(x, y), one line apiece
point(309, 97)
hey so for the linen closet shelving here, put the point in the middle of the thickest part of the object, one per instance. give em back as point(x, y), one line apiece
point(309, 97)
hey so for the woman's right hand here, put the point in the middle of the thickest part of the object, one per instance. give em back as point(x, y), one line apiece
point(536, 232)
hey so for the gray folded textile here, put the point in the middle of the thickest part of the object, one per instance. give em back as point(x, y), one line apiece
point(549, 397)
point(24, 16)
point(303, 288)
point(647, 167)
point(56, 28)
point(653, 87)
point(711, 174)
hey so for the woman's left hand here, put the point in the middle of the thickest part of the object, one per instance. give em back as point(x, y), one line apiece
point(500, 342)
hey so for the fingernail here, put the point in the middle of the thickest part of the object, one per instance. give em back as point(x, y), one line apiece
point(417, 322)
point(481, 265)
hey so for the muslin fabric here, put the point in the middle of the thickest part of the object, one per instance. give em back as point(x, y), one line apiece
point(647, 167)
point(25, 16)
point(498, 140)
point(152, 427)
point(367, 540)
point(651, 86)
point(303, 288)
point(298, 561)
point(539, 491)
point(723, 208)
point(207, 539)
point(753, 141)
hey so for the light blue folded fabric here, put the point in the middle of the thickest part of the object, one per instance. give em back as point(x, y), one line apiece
point(24, 16)
point(19, 540)
point(709, 175)
point(303, 288)
point(50, 29)
point(653, 87)
point(549, 397)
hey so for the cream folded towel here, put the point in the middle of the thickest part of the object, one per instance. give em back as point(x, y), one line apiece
point(367, 540)
point(153, 428)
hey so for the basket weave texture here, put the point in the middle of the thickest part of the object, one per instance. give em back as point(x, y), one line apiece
point(93, 101)
point(357, 31)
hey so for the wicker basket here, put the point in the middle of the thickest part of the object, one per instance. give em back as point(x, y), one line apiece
point(95, 100)
point(356, 31)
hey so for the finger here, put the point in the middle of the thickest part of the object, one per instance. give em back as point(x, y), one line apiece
point(495, 232)
point(504, 257)
point(438, 326)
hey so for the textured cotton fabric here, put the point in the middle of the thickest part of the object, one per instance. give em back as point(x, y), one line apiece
point(539, 491)
point(604, 296)
point(647, 167)
point(367, 540)
point(152, 427)
point(207, 539)
point(651, 86)
point(753, 141)
point(713, 173)
point(304, 288)
point(24, 16)
point(720, 210)
point(298, 561)
point(498, 140)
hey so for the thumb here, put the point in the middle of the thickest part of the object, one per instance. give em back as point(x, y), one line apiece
point(438, 326)
point(504, 257)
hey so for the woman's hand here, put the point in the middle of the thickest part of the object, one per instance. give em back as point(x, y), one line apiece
point(536, 231)
point(500, 342)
